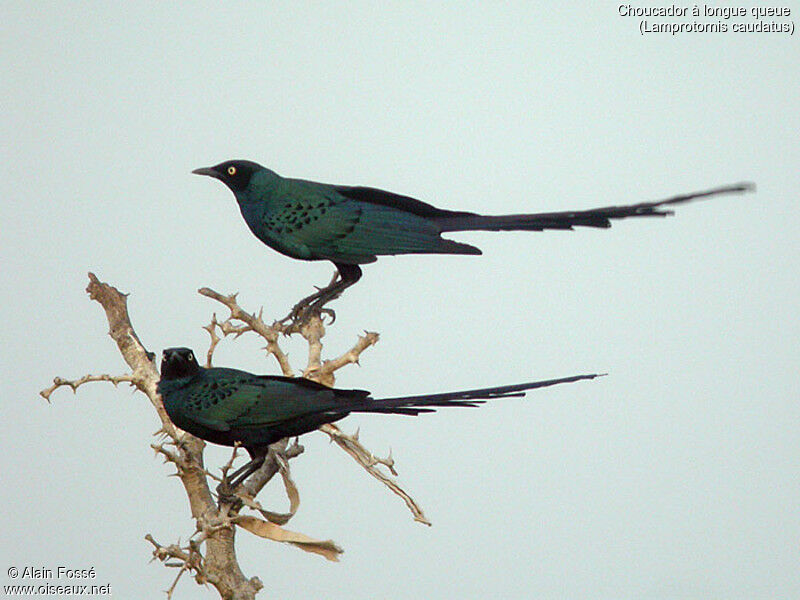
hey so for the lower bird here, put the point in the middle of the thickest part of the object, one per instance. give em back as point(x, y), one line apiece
point(352, 226)
point(228, 406)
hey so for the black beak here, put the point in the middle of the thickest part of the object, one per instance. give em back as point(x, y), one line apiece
point(208, 171)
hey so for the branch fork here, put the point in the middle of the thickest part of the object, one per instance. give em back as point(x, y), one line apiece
point(216, 525)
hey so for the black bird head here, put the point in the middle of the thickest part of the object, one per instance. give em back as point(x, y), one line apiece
point(235, 174)
point(177, 363)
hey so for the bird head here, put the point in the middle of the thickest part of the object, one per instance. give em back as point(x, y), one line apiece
point(177, 363)
point(236, 174)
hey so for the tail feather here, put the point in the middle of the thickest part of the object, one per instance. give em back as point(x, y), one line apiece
point(414, 405)
point(596, 217)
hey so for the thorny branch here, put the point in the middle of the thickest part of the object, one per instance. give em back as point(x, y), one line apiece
point(371, 463)
point(75, 384)
point(188, 559)
point(251, 322)
point(216, 524)
point(317, 369)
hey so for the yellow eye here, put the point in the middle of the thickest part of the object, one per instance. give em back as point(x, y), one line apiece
point(231, 170)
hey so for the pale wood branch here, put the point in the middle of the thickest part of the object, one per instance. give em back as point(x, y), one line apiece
point(220, 567)
point(216, 524)
point(188, 559)
point(254, 323)
point(313, 331)
point(371, 464)
point(76, 383)
point(324, 372)
point(211, 328)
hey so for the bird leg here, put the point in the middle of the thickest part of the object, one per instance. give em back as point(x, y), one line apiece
point(226, 489)
point(345, 276)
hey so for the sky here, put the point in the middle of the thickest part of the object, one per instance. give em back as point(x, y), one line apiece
point(674, 477)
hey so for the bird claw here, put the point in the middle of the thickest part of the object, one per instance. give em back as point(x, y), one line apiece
point(226, 495)
point(314, 305)
point(300, 315)
point(303, 311)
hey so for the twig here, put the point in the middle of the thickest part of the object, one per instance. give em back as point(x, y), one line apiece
point(219, 566)
point(189, 559)
point(75, 384)
point(370, 463)
point(215, 527)
point(313, 331)
point(227, 466)
point(254, 323)
point(324, 372)
point(211, 328)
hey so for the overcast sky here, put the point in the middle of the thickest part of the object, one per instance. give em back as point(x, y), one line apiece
point(674, 477)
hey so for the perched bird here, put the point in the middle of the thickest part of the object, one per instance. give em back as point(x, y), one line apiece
point(225, 406)
point(352, 226)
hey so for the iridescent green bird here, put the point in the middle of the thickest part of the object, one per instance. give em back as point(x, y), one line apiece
point(352, 226)
point(226, 406)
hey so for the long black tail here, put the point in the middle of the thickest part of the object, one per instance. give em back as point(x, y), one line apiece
point(414, 405)
point(596, 217)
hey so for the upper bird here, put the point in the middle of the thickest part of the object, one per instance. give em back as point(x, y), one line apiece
point(225, 406)
point(351, 226)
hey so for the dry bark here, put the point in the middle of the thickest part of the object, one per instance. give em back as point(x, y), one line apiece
point(210, 554)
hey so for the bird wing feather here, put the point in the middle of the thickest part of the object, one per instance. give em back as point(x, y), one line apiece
point(242, 400)
point(318, 221)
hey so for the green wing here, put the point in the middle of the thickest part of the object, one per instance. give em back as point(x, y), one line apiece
point(230, 399)
point(315, 221)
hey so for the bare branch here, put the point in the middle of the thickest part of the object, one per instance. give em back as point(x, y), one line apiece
point(115, 303)
point(324, 372)
point(219, 566)
point(253, 323)
point(278, 461)
point(216, 525)
point(371, 463)
point(272, 464)
point(169, 455)
point(211, 328)
point(188, 559)
point(312, 331)
point(74, 384)
point(234, 453)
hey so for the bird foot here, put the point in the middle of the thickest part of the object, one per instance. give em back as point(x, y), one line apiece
point(227, 495)
point(303, 312)
point(314, 305)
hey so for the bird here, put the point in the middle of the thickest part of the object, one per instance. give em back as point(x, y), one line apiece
point(353, 225)
point(228, 407)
